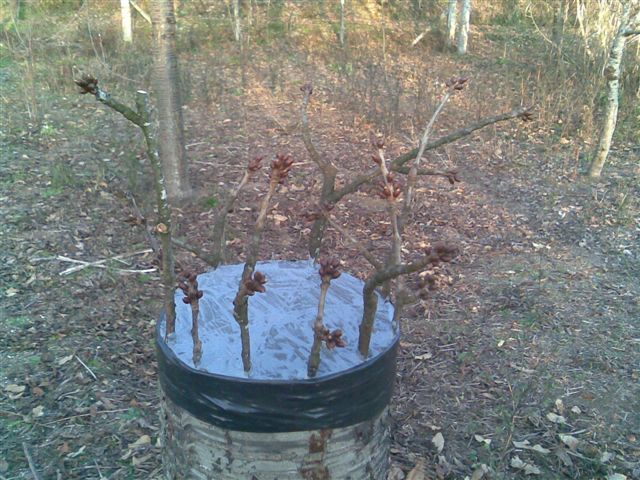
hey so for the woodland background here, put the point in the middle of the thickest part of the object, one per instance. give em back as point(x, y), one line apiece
point(523, 362)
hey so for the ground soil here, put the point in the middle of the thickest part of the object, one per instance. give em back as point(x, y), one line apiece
point(523, 361)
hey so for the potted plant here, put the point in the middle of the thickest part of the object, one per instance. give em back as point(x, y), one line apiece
point(293, 383)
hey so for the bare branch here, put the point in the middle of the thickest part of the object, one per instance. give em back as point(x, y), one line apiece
point(328, 170)
point(250, 281)
point(439, 253)
point(397, 163)
point(358, 245)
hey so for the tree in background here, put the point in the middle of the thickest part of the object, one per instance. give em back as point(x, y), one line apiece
point(463, 27)
point(629, 24)
point(452, 13)
point(125, 12)
point(165, 82)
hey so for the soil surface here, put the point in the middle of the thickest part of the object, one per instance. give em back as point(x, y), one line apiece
point(524, 361)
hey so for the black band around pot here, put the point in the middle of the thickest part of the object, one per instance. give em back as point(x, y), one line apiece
point(242, 404)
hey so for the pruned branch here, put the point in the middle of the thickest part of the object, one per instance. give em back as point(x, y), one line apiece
point(221, 220)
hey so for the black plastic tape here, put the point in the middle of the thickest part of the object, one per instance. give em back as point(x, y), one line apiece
point(242, 404)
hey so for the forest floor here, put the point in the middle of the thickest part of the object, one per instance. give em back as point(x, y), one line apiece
point(525, 361)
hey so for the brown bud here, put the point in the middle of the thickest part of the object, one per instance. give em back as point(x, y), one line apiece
point(307, 88)
point(186, 300)
point(281, 165)
point(334, 339)
point(87, 84)
point(255, 164)
point(329, 269)
point(376, 159)
point(376, 142)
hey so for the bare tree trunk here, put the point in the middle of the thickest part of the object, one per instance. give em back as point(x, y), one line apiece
point(237, 28)
point(125, 11)
point(169, 105)
point(342, 32)
point(612, 74)
point(452, 13)
point(463, 30)
point(558, 26)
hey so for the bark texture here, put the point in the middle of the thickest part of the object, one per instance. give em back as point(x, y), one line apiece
point(169, 105)
point(125, 11)
point(463, 29)
point(612, 74)
point(452, 13)
point(197, 450)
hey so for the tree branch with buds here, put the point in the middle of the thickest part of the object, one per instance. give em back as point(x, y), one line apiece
point(453, 85)
point(433, 256)
point(328, 271)
point(251, 282)
point(189, 286)
point(141, 118)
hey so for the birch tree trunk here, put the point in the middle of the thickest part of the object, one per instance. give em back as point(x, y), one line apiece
point(463, 28)
point(125, 11)
point(452, 13)
point(612, 74)
point(237, 28)
point(165, 80)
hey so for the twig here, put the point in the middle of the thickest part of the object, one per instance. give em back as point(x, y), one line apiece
point(164, 212)
point(439, 253)
point(189, 286)
point(328, 271)
point(415, 165)
point(88, 369)
point(221, 220)
point(117, 410)
point(141, 118)
point(251, 281)
point(397, 163)
point(358, 245)
point(142, 13)
point(32, 465)
point(99, 263)
point(327, 168)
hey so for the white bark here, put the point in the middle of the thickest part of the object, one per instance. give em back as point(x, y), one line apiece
point(125, 11)
point(237, 27)
point(193, 449)
point(452, 13)
point(463, 28)
point(612, 73)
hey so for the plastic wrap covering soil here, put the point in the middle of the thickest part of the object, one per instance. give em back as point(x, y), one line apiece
point(277, 396)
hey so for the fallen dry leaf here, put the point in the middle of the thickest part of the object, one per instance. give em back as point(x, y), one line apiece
point(417, 473)
point(438, 441)
point(569, 440)
point(552, 417)
point(143, 440)
point(13, 388)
